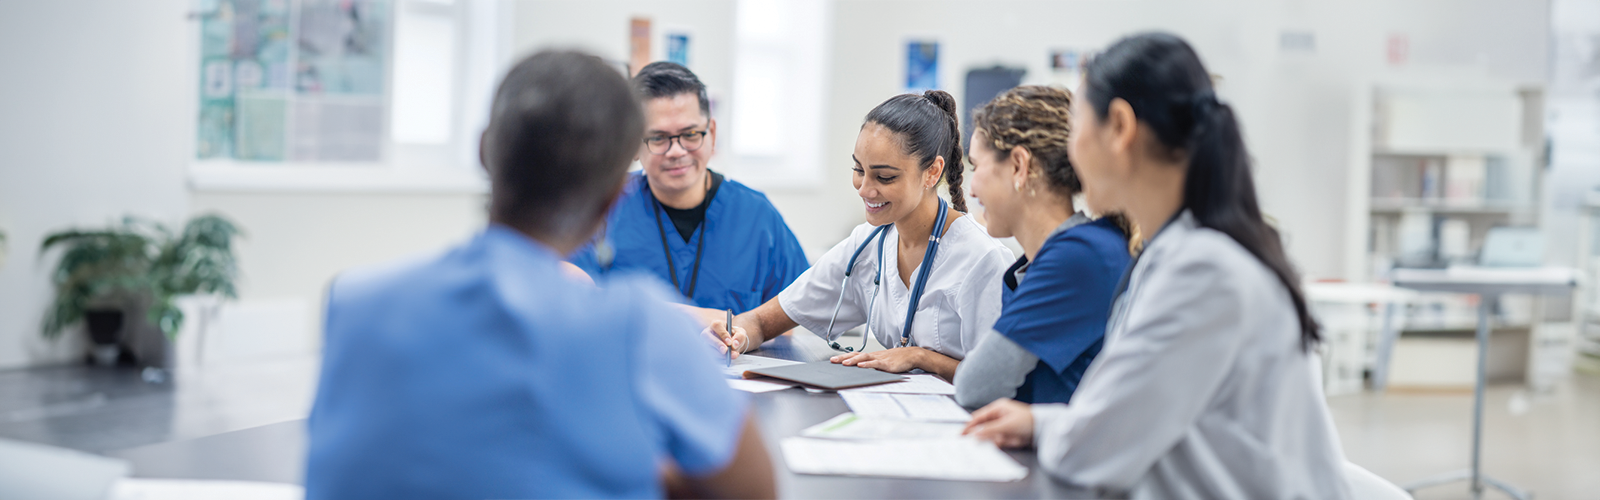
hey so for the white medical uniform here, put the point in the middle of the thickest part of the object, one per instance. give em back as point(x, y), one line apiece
point(959, 303)
point(1202, 391)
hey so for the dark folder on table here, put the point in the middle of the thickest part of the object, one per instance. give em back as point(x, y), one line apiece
point(826, 375)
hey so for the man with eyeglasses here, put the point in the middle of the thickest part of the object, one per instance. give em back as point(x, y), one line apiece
point(720, 243)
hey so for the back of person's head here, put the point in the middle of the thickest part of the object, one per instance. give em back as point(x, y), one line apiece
point(1038, 119)
point(669, 79)
point(1170, 91)
point(927, 128)
point(563, 128)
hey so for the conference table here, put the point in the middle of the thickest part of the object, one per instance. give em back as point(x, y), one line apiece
point(276, 452)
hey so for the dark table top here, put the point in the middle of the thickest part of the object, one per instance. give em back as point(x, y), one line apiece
point(276, 452)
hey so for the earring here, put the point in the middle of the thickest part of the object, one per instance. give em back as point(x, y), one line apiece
point(1017, 187)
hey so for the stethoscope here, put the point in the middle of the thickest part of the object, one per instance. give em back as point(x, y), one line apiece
point(916, 290)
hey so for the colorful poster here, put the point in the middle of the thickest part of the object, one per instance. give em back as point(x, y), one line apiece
point(638, 44)
point(922, 66)
point(249, 86)
point(678, 48)
point(342, 45)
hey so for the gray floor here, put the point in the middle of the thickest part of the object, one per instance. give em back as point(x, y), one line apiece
point(1547, 442)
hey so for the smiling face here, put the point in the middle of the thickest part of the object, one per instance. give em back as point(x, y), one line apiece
point(994, 180)
point(1092, 158)
point(889, 181)
point(677, 169)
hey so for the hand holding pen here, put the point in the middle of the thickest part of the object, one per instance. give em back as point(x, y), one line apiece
point(730, 335)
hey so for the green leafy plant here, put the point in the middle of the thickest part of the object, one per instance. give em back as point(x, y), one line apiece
point(136, 261)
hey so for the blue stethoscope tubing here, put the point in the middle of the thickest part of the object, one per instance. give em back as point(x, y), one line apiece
point(916, 290)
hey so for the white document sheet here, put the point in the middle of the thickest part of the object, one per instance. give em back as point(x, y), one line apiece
point(197, 489)
point(758, 386)
point(850, 426)
point(750, 362)
point(948, 459)
point(922, 383)
point(924, 407)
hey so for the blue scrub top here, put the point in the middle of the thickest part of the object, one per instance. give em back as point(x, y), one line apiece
point(1058, 311)
point(750, 255)
point(484, 372)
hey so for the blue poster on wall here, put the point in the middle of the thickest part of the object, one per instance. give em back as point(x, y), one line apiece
point(922, 66)
point(678, 48)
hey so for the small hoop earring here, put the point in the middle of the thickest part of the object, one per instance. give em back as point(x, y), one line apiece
point(1017, 187)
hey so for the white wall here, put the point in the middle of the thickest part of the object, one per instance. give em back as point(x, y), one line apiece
point(98, 105)
point(98, 122)
point(87, 133)
point(1295, 106)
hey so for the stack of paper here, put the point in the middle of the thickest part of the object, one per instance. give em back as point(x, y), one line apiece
point(184, 489)
point(922, 383)
point(851, 426)
point(925, 407)
point(948, 459)
point(750, 362)
point(759, 386)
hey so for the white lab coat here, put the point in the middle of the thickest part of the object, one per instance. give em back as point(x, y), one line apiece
point(1202, 390)
point(959, 303)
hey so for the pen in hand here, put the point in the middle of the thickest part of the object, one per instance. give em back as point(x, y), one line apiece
point(729, 327)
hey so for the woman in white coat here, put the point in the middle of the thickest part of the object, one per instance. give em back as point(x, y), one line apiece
point(1205, 388)
point(922, 276)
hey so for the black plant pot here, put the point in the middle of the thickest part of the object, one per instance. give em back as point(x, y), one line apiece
point(105, 326)
point(106, 332)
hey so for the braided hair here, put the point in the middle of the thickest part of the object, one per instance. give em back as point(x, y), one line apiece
point(927, 128)
point(1039, 119)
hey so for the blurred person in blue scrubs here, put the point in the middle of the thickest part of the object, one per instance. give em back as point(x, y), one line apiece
point(719, 242)
point(1057, 296)
point(489, 371)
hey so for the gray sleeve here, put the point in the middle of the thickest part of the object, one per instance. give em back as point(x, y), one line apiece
point(993, 370)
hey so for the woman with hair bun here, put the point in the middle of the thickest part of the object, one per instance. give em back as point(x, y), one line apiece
point(921, 275)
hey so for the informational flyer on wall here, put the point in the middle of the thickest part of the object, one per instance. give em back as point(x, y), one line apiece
point(301, 80)
point(922, 66)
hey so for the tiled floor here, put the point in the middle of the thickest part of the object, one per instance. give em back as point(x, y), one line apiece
point(1549, 443)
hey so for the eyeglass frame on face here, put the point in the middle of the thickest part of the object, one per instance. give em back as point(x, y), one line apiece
point(668, 140)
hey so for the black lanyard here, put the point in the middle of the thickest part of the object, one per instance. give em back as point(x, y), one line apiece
point(672, 269)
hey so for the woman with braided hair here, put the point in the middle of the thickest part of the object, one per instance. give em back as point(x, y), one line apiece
point(1057, 296)
point(921, 275)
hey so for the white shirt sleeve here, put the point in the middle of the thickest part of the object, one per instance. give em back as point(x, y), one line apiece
point(1151, 384)
point(809, 301)
point(979, 303)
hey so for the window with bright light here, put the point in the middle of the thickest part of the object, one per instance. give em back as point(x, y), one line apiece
point(779, 85)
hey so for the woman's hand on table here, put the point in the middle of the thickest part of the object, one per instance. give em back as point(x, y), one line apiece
point(897, 360)
point(1006, 423)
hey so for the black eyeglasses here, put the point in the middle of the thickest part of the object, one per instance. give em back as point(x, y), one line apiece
point(691, 141)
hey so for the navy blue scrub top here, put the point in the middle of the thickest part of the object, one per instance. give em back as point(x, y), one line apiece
point(1058, 311)
point(749, 254)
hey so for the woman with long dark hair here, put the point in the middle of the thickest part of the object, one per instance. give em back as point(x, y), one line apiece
point(1205, 387)
point(921, 275)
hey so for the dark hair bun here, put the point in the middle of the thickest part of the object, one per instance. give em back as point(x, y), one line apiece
point(943, 100)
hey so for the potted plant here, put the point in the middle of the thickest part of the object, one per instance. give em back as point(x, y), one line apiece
point(139, 264)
